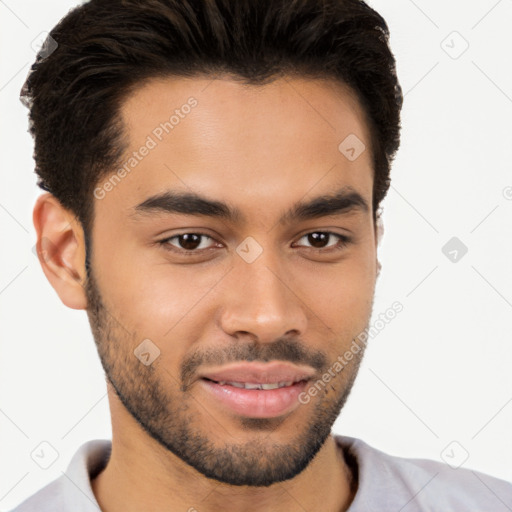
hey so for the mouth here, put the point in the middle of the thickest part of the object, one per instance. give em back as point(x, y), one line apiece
point(255, 385)
point(257, 390)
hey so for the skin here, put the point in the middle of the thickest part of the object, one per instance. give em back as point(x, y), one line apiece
point(260, 149)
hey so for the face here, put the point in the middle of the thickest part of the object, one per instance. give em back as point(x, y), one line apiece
point(233, 262)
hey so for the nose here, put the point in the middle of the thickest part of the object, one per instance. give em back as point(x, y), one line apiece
point(259, 301)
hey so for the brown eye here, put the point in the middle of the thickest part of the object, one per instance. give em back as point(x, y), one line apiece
point(186, 242)
point(189, 241)
point(319, 240)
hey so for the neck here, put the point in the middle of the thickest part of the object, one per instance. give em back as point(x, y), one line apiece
point(142, 475)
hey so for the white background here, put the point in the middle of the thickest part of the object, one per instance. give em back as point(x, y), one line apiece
point(439, 372)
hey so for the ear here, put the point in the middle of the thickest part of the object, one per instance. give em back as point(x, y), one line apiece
point(61, 250)
point(379, 229)
point(379, 232)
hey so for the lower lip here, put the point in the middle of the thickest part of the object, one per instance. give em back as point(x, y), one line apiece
point(257, 403)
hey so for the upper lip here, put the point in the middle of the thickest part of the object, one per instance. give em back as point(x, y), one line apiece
point(259, 373)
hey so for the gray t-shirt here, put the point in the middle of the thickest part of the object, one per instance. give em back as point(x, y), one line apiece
point(385, 484)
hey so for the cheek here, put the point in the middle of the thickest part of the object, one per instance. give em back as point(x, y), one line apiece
point(157, 299)
point(340, 294)
point(152, 297)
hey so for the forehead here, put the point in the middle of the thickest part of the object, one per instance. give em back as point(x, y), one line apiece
point(225, 139)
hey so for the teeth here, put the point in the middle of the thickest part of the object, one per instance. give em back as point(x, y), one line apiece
point(251, 385)
point(236, 384)
point(246, 385)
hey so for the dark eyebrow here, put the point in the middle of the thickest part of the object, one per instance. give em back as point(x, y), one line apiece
point(343, 201)
point(187, 203)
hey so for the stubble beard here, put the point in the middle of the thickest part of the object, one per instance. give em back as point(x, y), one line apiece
point(168, 416)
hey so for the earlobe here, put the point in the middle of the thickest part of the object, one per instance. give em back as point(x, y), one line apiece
point(61, 250)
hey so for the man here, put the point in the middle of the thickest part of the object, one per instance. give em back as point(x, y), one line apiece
point(213, 174)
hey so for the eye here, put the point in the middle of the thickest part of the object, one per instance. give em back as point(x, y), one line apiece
point(319, 240)
point(186, 243)
point(190, 244)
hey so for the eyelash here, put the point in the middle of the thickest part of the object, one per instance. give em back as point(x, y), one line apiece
point(343, 242)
